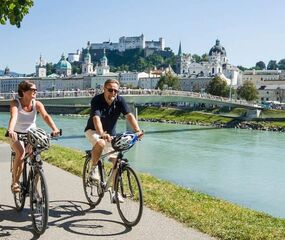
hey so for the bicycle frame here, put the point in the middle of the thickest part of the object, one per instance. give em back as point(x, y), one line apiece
point(35, 163)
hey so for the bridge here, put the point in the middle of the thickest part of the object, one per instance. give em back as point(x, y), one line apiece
point(82, 98)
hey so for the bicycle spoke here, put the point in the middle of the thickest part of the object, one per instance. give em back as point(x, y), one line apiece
point(92, 189)
point(39, 202)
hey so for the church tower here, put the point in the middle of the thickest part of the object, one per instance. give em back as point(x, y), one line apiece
point(41, 70)
point(87, 65)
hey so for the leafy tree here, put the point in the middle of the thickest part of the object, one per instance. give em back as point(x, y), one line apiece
point(205, 57)
point(196, 58)
point(247, 91)
point(51, 68)
point(76, 67)
point(218, 87)
point(241, 68)
point(281, 64)
point(260, 65)
point(170, 81)
point(272, 65)
point(14, 11)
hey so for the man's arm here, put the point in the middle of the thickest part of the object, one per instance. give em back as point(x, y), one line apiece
point(134, 124)
point(99, 129)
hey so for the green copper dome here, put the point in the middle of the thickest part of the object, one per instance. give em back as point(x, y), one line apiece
point(63, 63)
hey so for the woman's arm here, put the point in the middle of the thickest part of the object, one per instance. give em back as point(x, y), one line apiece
point(13, 119)
point(46, 117)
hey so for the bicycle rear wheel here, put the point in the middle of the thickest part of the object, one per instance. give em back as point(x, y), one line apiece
point(39, 202)
point(128, 185)
point(92, 189)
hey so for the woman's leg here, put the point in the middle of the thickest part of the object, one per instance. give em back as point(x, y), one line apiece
point(19, 150)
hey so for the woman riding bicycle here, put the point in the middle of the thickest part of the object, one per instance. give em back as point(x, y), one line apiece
point(23, 113)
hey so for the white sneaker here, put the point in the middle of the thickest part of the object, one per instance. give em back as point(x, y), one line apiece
point(120, 197)
point(95, 174)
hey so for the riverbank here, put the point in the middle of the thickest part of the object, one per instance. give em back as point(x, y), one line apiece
point(213, 216)
point(271, 120)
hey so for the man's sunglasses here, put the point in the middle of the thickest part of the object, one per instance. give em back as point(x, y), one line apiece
point(33, 89)
point(111, 90)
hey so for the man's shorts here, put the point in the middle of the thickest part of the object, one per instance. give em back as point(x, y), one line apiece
point(93, 137)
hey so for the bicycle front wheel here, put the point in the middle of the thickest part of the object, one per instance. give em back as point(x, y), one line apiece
point(39, 202)
point(130, 203)
point(92, 189)
point(20, 197)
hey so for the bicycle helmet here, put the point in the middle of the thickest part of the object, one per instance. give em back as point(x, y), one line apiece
point(124, 141)
point(38, 138)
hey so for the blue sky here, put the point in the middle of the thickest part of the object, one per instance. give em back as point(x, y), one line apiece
point(250, 30)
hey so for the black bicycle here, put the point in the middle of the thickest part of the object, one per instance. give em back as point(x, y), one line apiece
point(32, 181)
point(128, 193)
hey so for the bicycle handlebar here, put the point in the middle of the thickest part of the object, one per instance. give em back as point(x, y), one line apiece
point(23, 136)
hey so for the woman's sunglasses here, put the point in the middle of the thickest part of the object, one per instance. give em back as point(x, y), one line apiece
point(33, 89)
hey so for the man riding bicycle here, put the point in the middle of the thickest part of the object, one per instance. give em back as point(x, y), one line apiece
point(101, 125)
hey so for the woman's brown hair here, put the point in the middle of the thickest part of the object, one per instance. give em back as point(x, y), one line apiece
point(24, 86)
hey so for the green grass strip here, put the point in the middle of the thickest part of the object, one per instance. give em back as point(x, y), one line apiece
point(215, 217)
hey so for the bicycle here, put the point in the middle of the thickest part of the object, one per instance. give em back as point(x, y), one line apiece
point(33, 183)
point(127, 183)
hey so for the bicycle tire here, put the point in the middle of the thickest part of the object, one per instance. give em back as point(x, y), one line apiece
point(39, 202)
point(20, 197)
point(92, 190)
point(128, 185)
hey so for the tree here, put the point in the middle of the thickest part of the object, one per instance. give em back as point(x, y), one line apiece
point(205, 57)
point(14, 10)
point(241, 68)
point(260, 65)
point(281, 64)
point(272, 65)
point(218, 87)
point(248, 91)
point(196, 58)
point(51, 68)
point(170, 81)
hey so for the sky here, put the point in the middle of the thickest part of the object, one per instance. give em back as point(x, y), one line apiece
point(250, 30)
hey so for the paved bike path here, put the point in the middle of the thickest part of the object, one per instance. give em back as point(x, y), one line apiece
point(71, 217)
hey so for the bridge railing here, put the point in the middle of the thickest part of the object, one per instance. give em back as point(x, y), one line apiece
point(92, 92)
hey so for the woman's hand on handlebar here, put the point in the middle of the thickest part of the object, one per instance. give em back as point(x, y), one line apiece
point(56, 132)
point(13, 135)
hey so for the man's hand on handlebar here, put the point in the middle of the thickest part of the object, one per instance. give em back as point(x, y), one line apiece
point(140, 134)
point(106, 137)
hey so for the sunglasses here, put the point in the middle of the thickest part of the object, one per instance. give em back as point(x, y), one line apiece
point(33, 89)
point(111, 90)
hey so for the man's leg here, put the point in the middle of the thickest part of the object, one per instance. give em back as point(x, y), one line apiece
point(97, 151)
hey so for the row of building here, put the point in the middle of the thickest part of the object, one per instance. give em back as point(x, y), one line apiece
point(193, 76)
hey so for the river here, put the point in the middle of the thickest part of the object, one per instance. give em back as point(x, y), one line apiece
point(242, 166)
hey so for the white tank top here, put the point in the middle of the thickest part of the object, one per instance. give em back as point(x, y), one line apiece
point(25, 120)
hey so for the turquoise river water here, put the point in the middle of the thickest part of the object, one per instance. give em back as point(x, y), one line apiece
point(242, 166)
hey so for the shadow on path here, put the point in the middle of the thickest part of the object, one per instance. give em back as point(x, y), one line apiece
point(74, 217)
point(9, 213)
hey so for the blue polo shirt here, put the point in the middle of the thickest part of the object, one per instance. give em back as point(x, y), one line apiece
point(108, 114)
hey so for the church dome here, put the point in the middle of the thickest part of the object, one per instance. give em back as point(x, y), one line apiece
point(63, 63)
point(218, 48)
